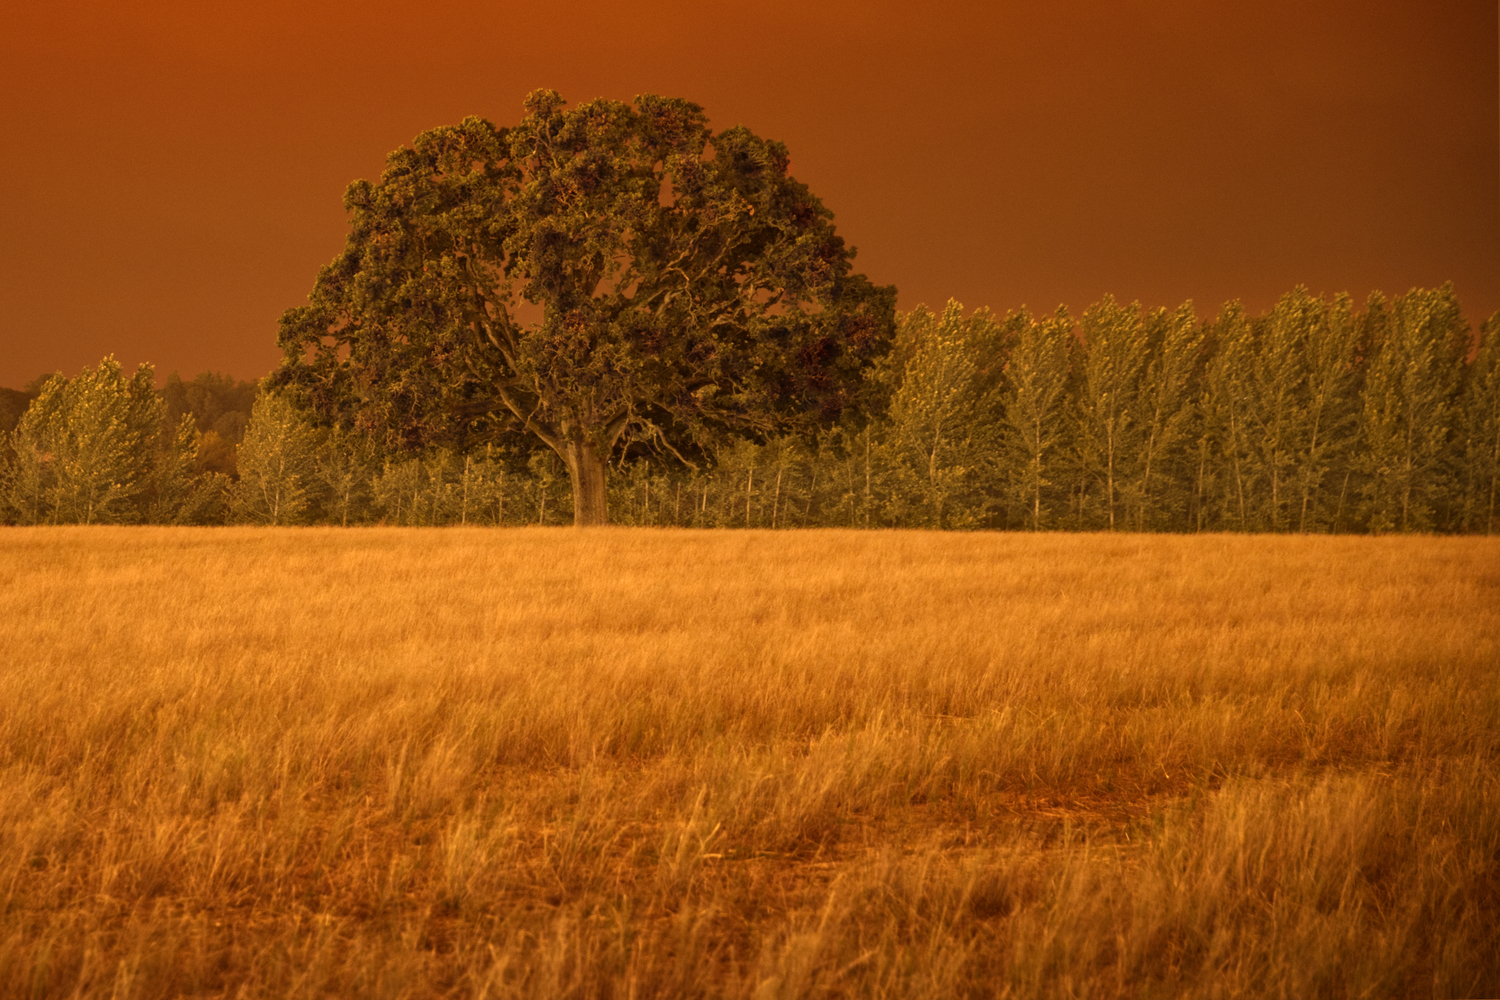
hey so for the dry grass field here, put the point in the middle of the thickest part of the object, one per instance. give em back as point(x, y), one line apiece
point(634, 763)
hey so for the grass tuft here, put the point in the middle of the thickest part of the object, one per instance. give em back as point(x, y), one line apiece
point(625, 763)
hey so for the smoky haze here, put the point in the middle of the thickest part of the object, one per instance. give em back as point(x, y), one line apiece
point(176, 171)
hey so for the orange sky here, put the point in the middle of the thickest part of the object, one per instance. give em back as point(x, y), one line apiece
point(174, 170)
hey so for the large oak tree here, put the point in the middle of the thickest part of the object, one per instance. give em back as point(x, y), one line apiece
point(590, 277)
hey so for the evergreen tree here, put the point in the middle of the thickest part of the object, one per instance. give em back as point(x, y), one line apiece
point(278, 466)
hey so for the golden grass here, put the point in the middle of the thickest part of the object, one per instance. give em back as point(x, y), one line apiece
point(630, 763)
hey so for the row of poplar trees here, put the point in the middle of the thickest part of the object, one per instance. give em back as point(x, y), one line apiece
point(1314, 417)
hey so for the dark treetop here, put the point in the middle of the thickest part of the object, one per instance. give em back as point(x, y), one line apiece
point(687, 288)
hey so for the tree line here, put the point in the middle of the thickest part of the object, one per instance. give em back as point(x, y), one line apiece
point(1315, 416)
point(615, 313)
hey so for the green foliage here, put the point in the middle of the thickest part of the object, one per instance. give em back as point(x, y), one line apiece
point(84, 450)
point(1272, 401)
point(1312, 417)
point(1280, 402)
point(641, 494)
point(178, 493)
point(1480, 406)
point(751, 486)
point(23, 478)
point(1110, 413)
point(689, 288)
point(1032, 431)
point(1160, 497)
point(1224, 480)
point(443, 488)
point(943, 418)
point(1408, 420)
point(344, 468)
point(543, 491)
point(416, 492)
point(1329, 415)
point(278, 464)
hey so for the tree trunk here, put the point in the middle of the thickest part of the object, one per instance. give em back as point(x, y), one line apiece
point(586, 469)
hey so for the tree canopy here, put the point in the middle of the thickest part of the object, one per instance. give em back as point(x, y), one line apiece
point(93, 450)
point(1315, 416)
point(589, 277)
